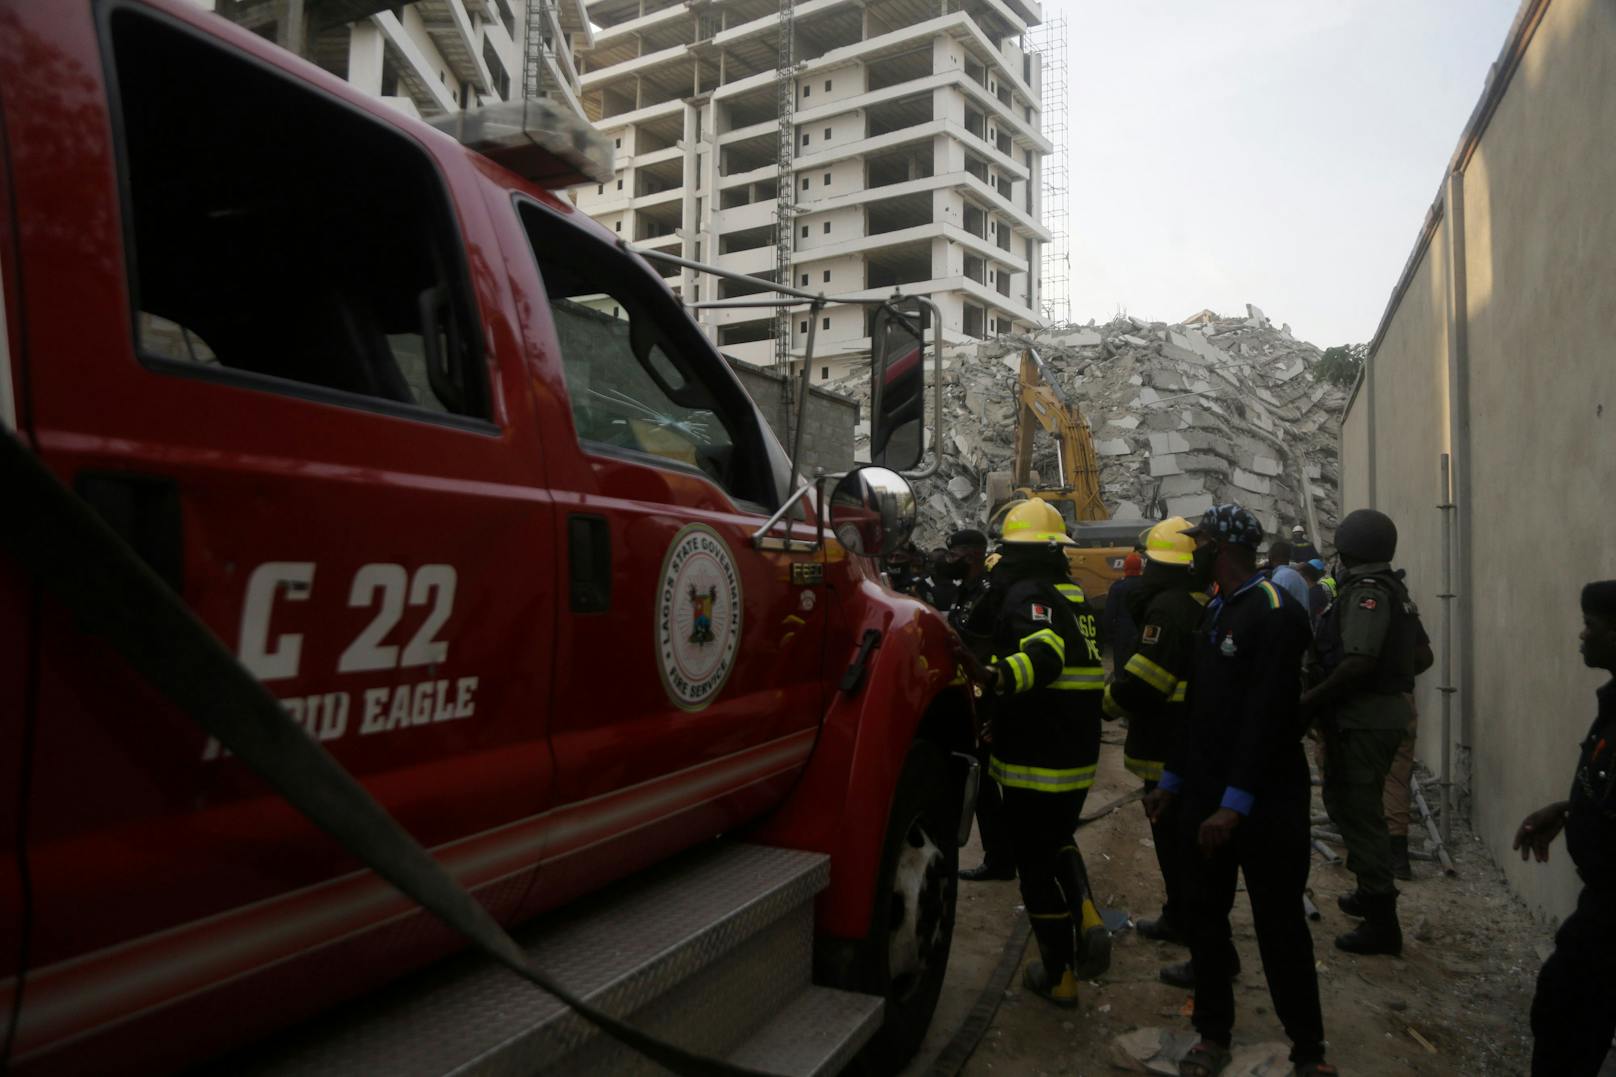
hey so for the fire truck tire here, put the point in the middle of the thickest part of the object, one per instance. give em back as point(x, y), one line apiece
point(905, 954)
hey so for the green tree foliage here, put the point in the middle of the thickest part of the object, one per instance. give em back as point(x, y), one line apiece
point(1340, 365)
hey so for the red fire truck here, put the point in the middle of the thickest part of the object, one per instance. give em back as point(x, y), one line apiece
point(456, 480)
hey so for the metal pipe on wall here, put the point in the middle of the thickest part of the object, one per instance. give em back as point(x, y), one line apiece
point(1446, 689)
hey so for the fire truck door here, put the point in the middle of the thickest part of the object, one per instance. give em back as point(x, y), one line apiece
point(691, 689)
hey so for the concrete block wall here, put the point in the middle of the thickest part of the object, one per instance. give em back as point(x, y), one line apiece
point(1496, 349)
point(827, 442)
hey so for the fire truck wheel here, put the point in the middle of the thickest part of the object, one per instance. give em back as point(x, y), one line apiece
point(912, 923)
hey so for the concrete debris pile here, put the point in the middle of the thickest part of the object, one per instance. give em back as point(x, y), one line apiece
point(1183, 416)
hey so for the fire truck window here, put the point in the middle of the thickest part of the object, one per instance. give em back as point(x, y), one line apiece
point(633, 386)
point(282, 240)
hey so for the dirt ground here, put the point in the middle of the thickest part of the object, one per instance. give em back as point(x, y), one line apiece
point(1464, 983)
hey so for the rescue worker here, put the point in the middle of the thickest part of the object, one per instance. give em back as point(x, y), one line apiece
point(1047, 680)
point(1318, 598)
point(1574, 1009)
point(940, 587)
point(1149, 690)
point(1240, 785)
point(1362, 669)
point(1301, 549)
point(972, 620)
point(1118, 628)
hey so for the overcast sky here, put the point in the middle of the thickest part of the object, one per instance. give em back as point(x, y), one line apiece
point(1278, 152)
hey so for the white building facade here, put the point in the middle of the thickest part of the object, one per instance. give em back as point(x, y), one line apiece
point(915, 152)
point(432, 57)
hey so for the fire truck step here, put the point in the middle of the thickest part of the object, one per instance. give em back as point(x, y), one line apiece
point(818, 1032)
point(712, 951)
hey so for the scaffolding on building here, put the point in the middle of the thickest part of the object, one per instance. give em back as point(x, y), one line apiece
point(785, 209)
point(1048, 41)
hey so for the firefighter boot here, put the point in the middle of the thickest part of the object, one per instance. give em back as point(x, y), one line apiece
point(1093, 940)
point(1352, 903)
point(1401, 868)
point(1052, 977)
point(1379, 933)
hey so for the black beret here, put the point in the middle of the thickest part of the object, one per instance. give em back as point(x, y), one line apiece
point(1599, 599)
point(969, 537)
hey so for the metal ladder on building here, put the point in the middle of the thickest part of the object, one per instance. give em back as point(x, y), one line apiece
point(785, 211)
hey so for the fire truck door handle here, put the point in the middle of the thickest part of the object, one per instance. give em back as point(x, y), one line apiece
point(145, 512)
point(861, 661)
point(589, 559)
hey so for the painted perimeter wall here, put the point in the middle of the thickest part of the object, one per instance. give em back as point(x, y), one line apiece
point(1500, 348)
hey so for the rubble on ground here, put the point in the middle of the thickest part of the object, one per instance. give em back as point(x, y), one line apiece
point(1183, 416)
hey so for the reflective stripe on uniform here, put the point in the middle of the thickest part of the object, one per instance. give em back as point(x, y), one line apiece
point(1111, 707)
point(1151, 673)
point(1181, 692)
point(1080, 679)
point(1050, 638)
point(1274, 601)
point(1148, 769)
point(1041, 779)
point(1020, 667)
point(1071, 592)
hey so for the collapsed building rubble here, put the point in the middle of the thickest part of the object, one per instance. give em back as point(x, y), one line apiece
point(1183, 416)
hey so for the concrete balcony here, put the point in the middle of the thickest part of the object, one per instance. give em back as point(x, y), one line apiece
point(754, 261)
point(756, 215)
point(450, 29)
point(658, 198)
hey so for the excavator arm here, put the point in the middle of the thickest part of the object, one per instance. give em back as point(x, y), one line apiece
point(1040, 401)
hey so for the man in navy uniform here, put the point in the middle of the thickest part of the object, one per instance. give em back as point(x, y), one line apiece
point(1574, 1010)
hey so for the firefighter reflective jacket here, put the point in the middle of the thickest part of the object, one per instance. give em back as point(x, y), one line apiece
point(1150, 689)
point(1046, 731)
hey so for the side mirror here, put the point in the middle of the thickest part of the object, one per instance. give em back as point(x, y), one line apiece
point(872, 511)
point(898, 385)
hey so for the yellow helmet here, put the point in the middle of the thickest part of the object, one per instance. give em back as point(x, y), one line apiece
point(1166, 543)
point(1035, 521)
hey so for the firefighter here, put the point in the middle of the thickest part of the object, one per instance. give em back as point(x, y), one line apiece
point(1364, 664)
point(1149, 690)
point(1574, 1009)
point(972, 619)
point(1047, 681)
point(1119, 628)
point(1239, 781)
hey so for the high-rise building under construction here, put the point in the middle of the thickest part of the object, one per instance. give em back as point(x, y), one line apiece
point(849, 147)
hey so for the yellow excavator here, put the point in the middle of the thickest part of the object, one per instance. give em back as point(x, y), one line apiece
point(1102, 543)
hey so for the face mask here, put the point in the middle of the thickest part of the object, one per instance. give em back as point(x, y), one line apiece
point(1201, 564)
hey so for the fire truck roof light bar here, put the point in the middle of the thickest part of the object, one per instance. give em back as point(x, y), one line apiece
point(535, 138)
point(785, 289)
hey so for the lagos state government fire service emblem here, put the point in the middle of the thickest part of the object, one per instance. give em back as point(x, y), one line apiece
point(698, 616)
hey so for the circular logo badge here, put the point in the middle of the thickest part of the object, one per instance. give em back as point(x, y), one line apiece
point(698, 616)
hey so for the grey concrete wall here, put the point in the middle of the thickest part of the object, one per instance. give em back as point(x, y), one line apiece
point(1529, 292)
point(827, 441)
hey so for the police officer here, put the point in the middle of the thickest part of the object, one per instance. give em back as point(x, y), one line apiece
point(1047, 680)
point(1364, 673)
point(1574, 1010)
point(1239, 782)
point(972, 619)
point(1149, 689)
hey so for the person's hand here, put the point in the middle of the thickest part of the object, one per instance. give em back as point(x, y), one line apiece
point(1217, 829)
point(1158, 802)
point(1538, 830)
